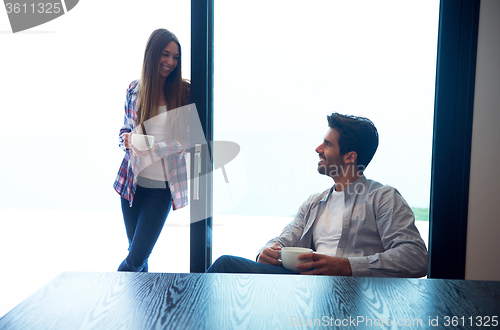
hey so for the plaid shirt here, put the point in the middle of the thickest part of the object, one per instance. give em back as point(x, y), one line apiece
point(174, 154)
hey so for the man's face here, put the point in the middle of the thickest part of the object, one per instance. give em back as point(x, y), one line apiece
point(329, 153)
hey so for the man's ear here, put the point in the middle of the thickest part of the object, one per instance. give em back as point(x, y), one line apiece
point(350, 157)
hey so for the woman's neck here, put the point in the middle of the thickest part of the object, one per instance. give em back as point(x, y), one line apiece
point(162, 101)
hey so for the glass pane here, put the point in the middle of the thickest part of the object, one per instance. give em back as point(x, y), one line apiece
point(63, 85)
point(280, 69)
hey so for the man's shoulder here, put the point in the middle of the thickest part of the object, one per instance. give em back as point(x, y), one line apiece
point(381, 193)
point(365, 189)
point(373, 187)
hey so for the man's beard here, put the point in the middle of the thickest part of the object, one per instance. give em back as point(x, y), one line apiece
point(332, 170)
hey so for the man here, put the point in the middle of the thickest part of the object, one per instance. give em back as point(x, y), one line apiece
point(358, 227)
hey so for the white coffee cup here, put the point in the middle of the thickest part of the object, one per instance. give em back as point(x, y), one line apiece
point(143, 142)
point(290, 258)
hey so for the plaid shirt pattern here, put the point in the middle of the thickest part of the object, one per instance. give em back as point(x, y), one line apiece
point(126, 180)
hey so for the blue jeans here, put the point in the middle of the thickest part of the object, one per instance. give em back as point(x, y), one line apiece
point(231, 264)
point(144, 222)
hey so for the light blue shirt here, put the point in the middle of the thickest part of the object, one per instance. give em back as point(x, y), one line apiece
point(379, 236)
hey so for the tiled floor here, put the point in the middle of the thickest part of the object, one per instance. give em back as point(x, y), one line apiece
point(38, 245)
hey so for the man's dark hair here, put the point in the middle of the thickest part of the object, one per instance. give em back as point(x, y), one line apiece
point(357, 134)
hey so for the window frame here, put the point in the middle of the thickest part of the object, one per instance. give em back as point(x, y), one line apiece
point(202, 41)
point(451, 151)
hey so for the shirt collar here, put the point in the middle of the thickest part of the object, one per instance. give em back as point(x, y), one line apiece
point(356, 186)
point(352, 189)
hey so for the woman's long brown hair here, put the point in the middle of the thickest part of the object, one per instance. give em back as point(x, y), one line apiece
point(149, 84)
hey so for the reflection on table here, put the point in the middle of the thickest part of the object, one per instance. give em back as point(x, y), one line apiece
point(79, 300)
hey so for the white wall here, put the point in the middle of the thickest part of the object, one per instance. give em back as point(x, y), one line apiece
point(483, 232)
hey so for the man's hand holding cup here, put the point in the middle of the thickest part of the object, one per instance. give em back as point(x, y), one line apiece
point(270, 255)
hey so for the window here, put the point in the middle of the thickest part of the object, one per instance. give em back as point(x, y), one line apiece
point(280, 69)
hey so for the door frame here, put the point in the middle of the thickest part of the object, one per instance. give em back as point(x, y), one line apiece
point(202, 60)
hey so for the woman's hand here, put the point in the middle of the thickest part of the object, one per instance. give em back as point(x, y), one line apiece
point(127, 140)
point(140, 153)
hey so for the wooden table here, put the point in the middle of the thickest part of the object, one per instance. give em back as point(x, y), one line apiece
point(79, 300)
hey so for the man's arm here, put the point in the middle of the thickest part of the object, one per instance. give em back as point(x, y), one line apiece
point(291, 234)
point(324, 265)
point(405, 253)
point(270, 255)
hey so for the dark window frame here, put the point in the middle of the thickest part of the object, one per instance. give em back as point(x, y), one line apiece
point(451, 152)
point(202, 41)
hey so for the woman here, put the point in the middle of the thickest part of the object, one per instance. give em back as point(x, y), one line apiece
point(150, 182)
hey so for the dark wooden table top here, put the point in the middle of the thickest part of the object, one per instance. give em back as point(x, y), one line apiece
point(79, 300)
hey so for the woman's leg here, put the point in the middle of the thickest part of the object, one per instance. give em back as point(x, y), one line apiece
point(131, 215)
point(130, 218)
point(152, 212)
